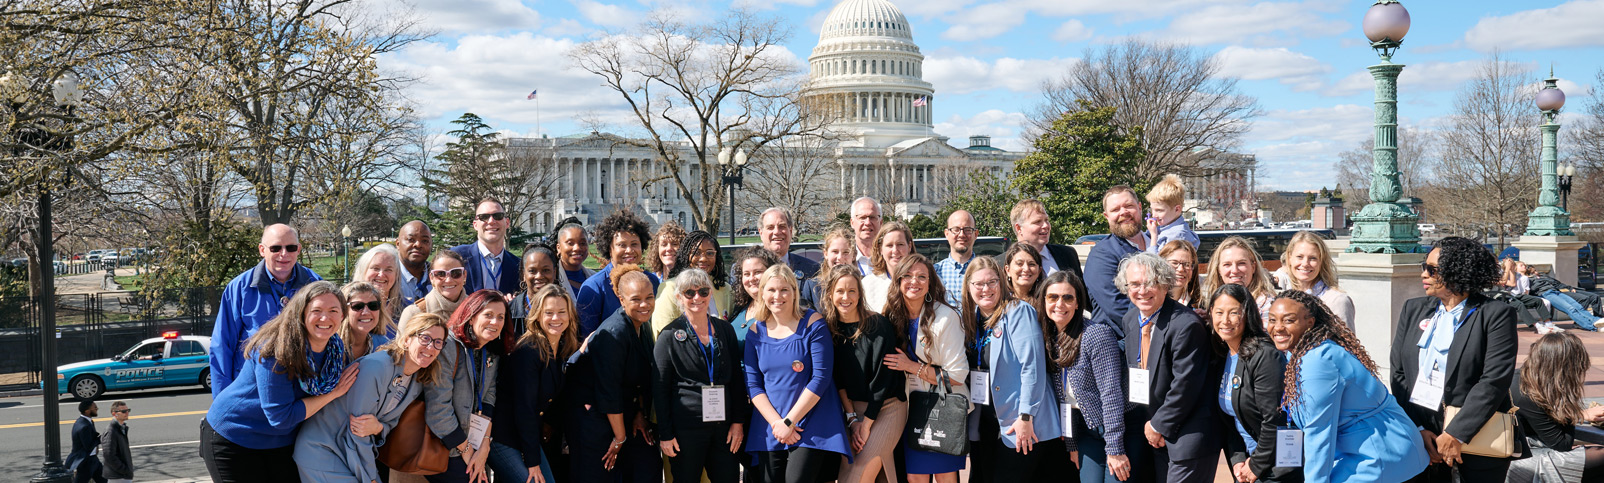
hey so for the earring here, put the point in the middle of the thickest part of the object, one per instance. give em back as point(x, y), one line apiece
point(929, 298)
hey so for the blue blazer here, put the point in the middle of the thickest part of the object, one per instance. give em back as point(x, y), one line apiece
point(1019, 374)
point(511, 266)
point(1108, 304)
point(84, 440)
point(1353, 430)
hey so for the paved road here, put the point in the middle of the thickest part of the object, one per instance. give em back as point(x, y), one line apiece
point(163, 432)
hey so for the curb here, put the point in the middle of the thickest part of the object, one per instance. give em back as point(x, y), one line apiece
point(23, 393)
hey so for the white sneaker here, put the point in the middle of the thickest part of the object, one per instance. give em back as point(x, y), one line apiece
point(1549, 328)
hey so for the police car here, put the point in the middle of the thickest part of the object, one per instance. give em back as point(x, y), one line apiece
point(169, 360)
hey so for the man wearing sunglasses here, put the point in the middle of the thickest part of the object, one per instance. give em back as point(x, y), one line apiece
point(490, 265)
point(255, 297)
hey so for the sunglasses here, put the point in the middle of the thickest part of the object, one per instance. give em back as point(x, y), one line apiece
point(498, 216)
point(284, 248)
point(430, 341)
point(371, 306)
point(454, 273)
point(124, 411)
point(696, 292)
point(1429, 269)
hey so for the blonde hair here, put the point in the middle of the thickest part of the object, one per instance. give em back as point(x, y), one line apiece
point(534, 336)
point(759, 310)
point(1259, 283)
point(1023, 208)
point(1169, 191)
point(391, 299)
point(877, 262)
point(1328, 270)
point(398, 348)
point(385, 325)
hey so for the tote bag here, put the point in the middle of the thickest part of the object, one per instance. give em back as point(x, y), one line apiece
point(937, 421)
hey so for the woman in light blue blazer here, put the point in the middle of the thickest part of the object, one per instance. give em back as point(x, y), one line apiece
point(1353, 430)
point(1027, 412)
point(339, 444)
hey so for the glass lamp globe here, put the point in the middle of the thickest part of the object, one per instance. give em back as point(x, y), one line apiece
point(1550, 99)
point(1386, 21)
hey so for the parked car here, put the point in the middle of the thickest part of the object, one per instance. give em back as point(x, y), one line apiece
point(169, 360)
point(95, 255)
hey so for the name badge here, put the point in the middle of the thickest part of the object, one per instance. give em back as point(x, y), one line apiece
point(980, 387)
point(1288, 447)
point(1428, 390)
point(1067, 414)
point(1138, 386)
point(477, 427)
point(712, 404)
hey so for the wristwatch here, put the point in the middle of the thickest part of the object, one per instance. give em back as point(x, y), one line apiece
point(852, 416)
point(788, 422)
point(1024, 417)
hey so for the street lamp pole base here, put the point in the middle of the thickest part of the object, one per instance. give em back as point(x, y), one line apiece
point(52, 472)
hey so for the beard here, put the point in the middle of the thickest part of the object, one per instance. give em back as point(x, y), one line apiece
point(1124, 230)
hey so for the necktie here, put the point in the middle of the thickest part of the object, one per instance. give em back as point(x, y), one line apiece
point(1147, 340)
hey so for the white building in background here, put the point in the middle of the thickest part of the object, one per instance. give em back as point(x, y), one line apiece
point(868, 68)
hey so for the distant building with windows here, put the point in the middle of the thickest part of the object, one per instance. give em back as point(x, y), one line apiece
point(1225, 191)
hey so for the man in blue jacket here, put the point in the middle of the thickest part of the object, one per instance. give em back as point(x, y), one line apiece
point(1124, 215)
point(255, 297)
point(490, 265)
point(85, 440)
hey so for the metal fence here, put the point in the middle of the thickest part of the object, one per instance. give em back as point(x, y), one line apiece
point(96, 325)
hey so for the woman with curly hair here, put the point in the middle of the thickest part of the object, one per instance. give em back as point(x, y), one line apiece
point(1455, 348)
point(621, 235)
point(698, 250)
point(1548, 391)
point(1022, 270)
point(750, 263)
point(1353, 430)
point(664, 249)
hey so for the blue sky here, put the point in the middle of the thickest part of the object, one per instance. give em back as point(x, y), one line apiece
point(987, 59)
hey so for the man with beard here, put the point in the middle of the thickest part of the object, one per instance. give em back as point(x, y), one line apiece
point(961, 236)
point(416, 243)
point(1124, 215)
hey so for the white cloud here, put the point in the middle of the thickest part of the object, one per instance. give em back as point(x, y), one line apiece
point(1344, 123)
point(1571, 24)
point(1422, 77)
point(962, 75)
point(606, 15)
point(1298, 147)
point(967, 22)
point(1232, 23)
point(982, 22)
point(1302, 72)
point(460, 16)
point(490, 75)
point(1003, 127)
point(1072, 31)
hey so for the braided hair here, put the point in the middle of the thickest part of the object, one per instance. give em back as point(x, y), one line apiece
point(1326, 327)
point(687, 249)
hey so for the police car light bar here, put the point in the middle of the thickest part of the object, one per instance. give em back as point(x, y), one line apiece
point(171, 334)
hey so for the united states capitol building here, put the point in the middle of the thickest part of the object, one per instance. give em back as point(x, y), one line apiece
point(866, 68)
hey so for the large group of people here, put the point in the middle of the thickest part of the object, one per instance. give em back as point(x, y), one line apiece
point(876, 363)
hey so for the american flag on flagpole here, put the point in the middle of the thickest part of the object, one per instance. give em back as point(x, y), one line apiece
point(920, 102)
point(532, 94)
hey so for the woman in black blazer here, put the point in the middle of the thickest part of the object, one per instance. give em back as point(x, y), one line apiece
point(1468, 341)
point(1251, 386)
point(698, 360)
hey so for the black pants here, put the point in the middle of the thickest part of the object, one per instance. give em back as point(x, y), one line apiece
point(1142, 455)
point(983, 446)
point(638, 462)
point(456, 472)
point(1474, 469)
point(226, 461)
point(88, 469)
point(1012, 466)
point(705, 449)
point(797, 465)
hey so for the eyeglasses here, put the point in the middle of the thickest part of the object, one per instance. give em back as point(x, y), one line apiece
point(962, 230)
point(984, 283)
point(1139, 286)
point(1181, 265)
point(498, 216)
point(1430, 269)
point(696, 292)
point(372, 306)
point(124, 410)
point(284, 248)
point(458, 272)
point(430, 341)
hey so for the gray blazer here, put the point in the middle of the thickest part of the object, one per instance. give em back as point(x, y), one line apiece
point(325, 449)
point(449, 405)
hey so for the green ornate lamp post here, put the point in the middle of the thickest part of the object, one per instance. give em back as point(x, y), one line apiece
point(1549, 219)
point(1384, 225)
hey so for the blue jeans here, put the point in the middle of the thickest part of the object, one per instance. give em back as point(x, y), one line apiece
point(508, 465)
point(1571, 307)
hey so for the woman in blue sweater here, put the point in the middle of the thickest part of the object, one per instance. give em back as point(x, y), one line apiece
point(1024, 409)
point(295, 366)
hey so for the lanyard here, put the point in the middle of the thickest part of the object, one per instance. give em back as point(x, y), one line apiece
point(495, 275)
point(422, 284)
point(1142, 324)
point(707, 350)
point(1431, 331)
point(273, 285)
point(478, 377)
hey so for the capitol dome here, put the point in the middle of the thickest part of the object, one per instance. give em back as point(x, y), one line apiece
point(869, 71)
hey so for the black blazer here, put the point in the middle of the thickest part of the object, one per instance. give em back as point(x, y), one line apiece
point(526, 388)
point(612, 372)
point(1182, 406)
point(681, 373)
point(1481, 364)
point(1259, 381)
point(84, 440)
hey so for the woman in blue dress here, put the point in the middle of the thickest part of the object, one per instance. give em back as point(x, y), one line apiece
point(934, 348)
point(1353, 430)
point(797, 430)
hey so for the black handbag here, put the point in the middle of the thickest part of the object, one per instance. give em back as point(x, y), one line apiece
point(938, 421)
